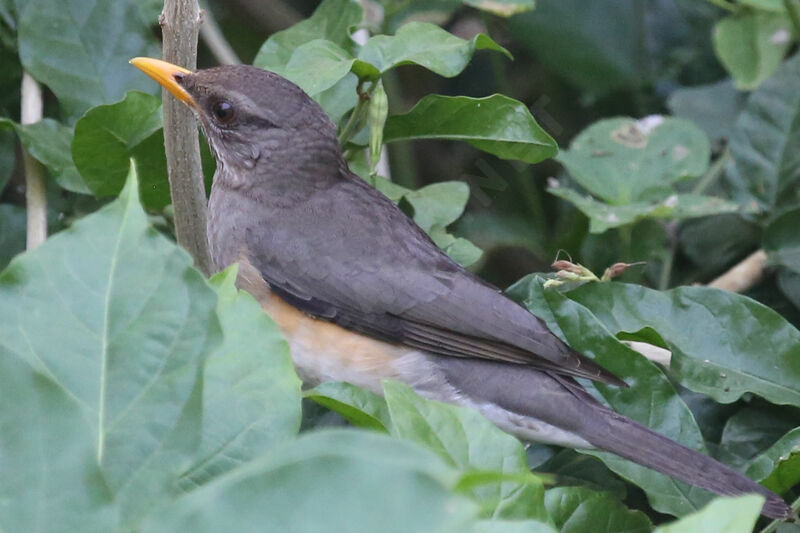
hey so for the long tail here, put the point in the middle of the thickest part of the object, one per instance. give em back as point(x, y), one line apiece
point(565, 406)
point(627, 438)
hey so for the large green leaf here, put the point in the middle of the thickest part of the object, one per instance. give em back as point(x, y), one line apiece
point(337, 480)
point(80, 49)
point(502, 8)
point(128, 324)
point(650, 400)
point(318, 65)
point(723, 515)
point(468, 441)
point(723, 344)
point(764, 141)
point(51, 481)
point(782, 240)
point(108, 136)
point(331, 21)
point(495, 124)
point(603, 216)
point(251, 394)
point(578, 509)
point(426, 45)
point(751, 44)
point(622, 160)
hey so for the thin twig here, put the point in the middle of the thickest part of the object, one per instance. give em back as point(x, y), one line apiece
point(724, 4)
point(35, 199)
point(270, 15)
point(215, 41)
point(713, 173)
point(744, 274)
point(180, 25)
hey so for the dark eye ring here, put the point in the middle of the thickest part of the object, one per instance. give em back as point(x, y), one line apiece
point(223, 111)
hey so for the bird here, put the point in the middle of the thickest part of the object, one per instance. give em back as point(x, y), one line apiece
point(362, 294)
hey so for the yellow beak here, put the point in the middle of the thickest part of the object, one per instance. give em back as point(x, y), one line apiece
point(167, 75)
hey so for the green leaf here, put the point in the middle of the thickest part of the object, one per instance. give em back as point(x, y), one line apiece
point(603, 216)
point(426, 45)
point(129, 323)
point(650, 400)
point(752, 430)
point(108, 136)
point(251, 394)
point(513, 526)
point(776, 6)
point(763, 143)
point(723, 515)
point(318, 65)
point(751, 44)
point(50, 142)
point(781, 240)
point(623, 160)
point(80, 49)
point(495, 124)
point(13, 220)
point(347, 480)
point(578, 509)
point(468, 441)
point(50, 481)
point(331, 21)
point(778, 468)
point(723, 344)
point(8, 156)
point(358, 406)
point(502, 8)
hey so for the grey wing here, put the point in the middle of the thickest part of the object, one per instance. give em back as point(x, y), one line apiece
point(350, 256)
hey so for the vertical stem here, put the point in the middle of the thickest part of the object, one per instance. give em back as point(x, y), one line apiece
point(35, 199)
point(180, 25)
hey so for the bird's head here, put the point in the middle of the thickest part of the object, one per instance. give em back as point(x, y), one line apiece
point(249, 115)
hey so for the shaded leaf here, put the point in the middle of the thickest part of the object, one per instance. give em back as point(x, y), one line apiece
point(714, 107)
point(767, 164)
point(752, 431)
point(751, 44)
point(108, 136)
point(80, 49)
point(360, 407)
point(495, 124)
point(343, 479)
point(622, 160)
point(578, 509)
point(781, 240)
point(468, 441)
point(13, 220)
point(603, 216)
point(426, 45)
point(502, 8)
point(723, 515)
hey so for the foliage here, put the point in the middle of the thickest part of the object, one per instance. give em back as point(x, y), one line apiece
point(142, 397)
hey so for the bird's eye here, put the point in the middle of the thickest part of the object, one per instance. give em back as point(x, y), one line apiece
point(223, 111)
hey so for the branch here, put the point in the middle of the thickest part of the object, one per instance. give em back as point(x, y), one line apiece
point(212, 36)
point(35, 199)
point(180, 24)
point(743, 275)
